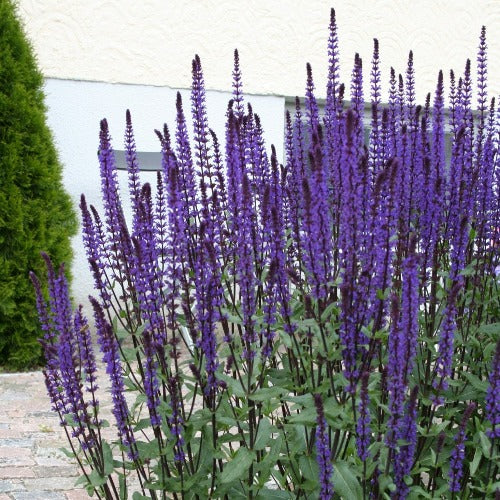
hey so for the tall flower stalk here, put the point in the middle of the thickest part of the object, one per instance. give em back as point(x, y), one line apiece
point(326, 327)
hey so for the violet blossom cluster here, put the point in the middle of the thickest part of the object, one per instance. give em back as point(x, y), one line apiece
point(493, 396)
point(456, 471)
point(323, 273)
point(323, 455)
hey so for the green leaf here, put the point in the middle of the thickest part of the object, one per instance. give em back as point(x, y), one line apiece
point(108, 458)
point(345, 482)
point(67, 452)
point(308, 467)
point(96, 479)
point(69, 419)
point(272, 456)
point(267, 393)
point(234, 494)
point(325, 316)
point(138, 496)
point(144, 423)
point(81, 480)
point(475, 461)
point(307, 417)
point(171, 484)
point(123, 486)
point(485, 444)
point(233, 384)
point(477, 383)
point(267, 494)
point(306, 400)
point(263, 435)
point(238, 466)
point(491, 329)
point(148, 450)
point(418, 492)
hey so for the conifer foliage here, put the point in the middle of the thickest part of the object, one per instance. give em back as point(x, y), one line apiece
point(35, 212)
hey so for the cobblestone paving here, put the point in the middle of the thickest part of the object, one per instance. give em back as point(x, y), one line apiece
point(32, 467)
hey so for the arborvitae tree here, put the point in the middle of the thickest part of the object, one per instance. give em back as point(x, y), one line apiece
point(35, 212)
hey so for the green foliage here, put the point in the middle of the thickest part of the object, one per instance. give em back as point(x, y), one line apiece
point(35, 212)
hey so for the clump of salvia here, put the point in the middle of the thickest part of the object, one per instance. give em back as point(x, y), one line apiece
point(322, 328)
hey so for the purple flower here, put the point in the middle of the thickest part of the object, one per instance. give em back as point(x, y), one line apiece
point(117, 243)
point(493, 396)
point(175, 421)
point(145, 268)
point(444, 362)
point(402, 341)
point(333, 67)
point(246, 273)
point(323, 454)
point(403, 458)
point(201, 131)
point(310, 103)
point(179, 255)
point(208, 301)
point(385, 217)
point(295, 166)
point(69, 356)
point(86, 352)
point(316, 221)
point(151, 385)
point(186, 177)
point(111, 357)
point(67, 352)
point(458, 454)
point(376, 151)
point(395, 383)
point(410, 307)
point(134, 183)
point(97, 256)
point(237, 87)
point(43, 313)
point(363, 432)
point(410, 89)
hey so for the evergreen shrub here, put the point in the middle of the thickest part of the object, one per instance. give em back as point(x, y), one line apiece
point(35, 211)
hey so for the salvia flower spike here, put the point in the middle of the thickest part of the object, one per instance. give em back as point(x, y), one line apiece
point(326, 327)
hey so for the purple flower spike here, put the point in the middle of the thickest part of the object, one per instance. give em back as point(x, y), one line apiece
point(111, 357)
point(395, 384)
point(237, 87)
point(493, 396)
point(151, 384)
point(43, 313)
point(246, 273)
point(134, 183)
point(403, 458)
point(310, 102)
point(201, 131)
point(456, 471)
point(208, 300)
point(86, 352)
point(175, 421)
point(446, 339)
point(333, 65)
point(363, 432)
point(323, 454)
point(186, 178)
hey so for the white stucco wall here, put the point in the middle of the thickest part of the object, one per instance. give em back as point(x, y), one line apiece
point(153, 41)
point(74, 112)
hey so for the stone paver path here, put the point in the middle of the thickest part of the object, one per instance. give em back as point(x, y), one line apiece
point(32, 467)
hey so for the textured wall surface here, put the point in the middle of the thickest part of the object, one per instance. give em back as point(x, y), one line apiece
point(153, 41)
